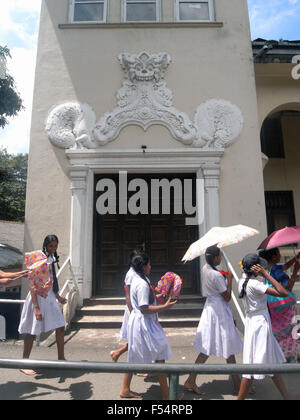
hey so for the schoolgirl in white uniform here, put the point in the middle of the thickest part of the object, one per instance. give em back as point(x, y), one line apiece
point(128, 280)
point(147, 342)
point(260, 345)
point(216, 333)
point(39, 314)
point(115, 354)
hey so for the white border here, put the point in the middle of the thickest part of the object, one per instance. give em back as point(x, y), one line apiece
point(211, 9)
point(84, 164)
point(105, 12)
point(158, 13)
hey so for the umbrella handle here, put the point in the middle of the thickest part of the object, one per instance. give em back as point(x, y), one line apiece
point(240, 312)
point(229, 266)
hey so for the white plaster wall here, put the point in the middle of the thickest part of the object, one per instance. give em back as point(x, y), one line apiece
point(81, 64)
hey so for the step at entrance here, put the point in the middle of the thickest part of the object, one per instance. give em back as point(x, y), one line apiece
point(107, 312)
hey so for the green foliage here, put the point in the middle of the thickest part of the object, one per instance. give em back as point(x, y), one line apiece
point(13, 176)
point(10, 101)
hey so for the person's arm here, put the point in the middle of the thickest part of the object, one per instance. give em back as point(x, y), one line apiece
point(37, 312)
point(279, 290)
point(60, 299)
point(293, 261)
point(227, 294)
point(147, 310)
point(13, 275)
point(293, 277)
point(128, 300)
point(5, 281)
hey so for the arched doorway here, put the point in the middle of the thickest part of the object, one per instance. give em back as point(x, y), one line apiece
point(280, 141)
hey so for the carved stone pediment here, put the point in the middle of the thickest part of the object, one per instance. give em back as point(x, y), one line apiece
point(144, 100)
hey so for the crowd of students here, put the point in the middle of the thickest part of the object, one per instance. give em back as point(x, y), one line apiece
point(266, 339)
point(216, 334)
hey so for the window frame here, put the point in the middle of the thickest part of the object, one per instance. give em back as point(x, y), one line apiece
point(211, 11)
point(72, 11)
point(158, 11)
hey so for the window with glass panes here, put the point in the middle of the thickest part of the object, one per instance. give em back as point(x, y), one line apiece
point(89, 10)
point(141, 10)
point(191, 10)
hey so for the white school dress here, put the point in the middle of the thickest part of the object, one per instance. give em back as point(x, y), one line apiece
point(123, 332)
point(216, 333)
point(260, 345)
point(147, 341)
point(52, 317)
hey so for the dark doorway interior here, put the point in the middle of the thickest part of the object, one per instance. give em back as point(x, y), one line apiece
point(165, 237)
point(280, 210)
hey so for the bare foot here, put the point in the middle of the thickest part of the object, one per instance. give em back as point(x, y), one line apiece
point(28, 372)
point(130, 394)
point(193, 388)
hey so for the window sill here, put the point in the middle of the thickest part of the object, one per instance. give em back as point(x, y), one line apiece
point(123, 25)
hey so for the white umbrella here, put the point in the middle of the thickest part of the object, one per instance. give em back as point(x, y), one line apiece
point(221, 237)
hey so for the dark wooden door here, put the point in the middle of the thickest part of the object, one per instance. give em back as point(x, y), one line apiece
point(165, 239)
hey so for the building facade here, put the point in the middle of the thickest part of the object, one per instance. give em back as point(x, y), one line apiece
point(132, 97)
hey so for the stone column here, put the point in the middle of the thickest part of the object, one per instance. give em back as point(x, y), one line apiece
point(78, 225)
point(211, 175)
point(212, 203)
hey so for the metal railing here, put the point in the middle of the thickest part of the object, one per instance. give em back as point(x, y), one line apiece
point(235, 301)
point(171, 369)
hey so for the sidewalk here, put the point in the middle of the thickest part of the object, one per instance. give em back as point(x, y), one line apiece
point(95, 345)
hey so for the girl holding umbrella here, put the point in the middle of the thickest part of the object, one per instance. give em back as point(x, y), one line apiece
point(283, 321)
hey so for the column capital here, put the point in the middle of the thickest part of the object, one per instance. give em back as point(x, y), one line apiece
point(78, 176)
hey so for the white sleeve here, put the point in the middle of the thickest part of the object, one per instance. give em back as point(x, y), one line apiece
point(259, 287)
point(129, 276)
point(219, 283)
point(143, 291)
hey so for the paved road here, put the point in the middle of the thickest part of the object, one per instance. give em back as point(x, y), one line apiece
point(95, 345)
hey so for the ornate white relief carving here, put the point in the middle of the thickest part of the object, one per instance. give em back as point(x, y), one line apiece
point(144, 100)
point(218, 123)
point(69, 125)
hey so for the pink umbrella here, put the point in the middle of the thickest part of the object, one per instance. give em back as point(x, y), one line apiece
point(286, 236)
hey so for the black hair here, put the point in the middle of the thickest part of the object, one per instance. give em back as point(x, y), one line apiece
point(243, 291)
point(248, 262)
point(267, 254)
point(47, 240)
point(210, 254)
point(138, 261)
point(134, 253)
point(249, 273)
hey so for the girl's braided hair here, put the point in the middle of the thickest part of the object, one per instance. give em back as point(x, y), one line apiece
point(249, 274)
point(47, 240)
point(139, 260)
point(210, 254)
point(248, 262)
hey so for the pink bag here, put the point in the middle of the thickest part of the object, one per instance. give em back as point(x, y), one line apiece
point(170, 285)
point(40, 276)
